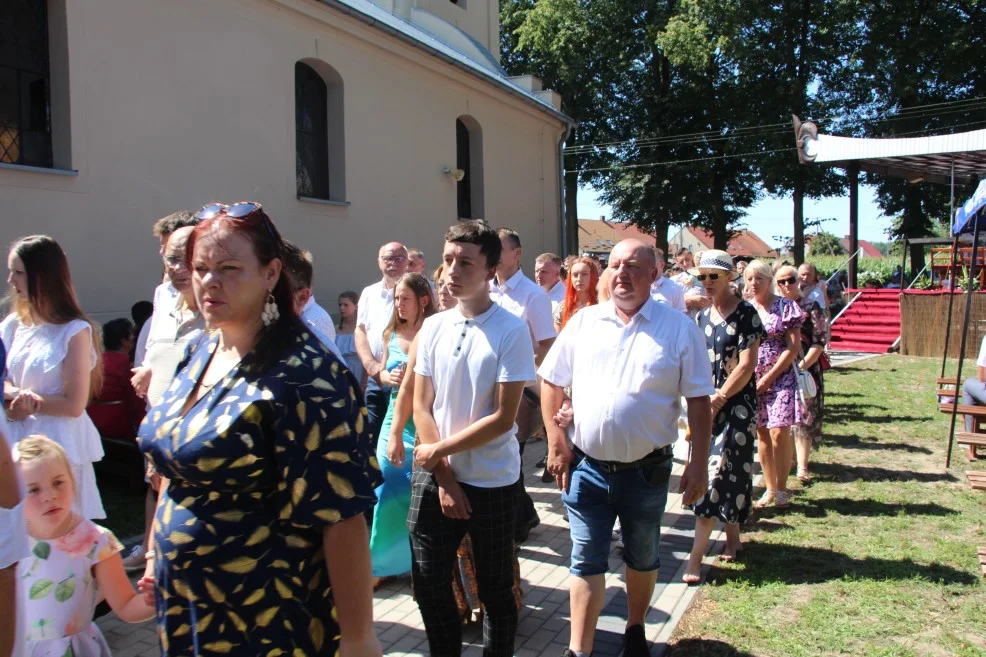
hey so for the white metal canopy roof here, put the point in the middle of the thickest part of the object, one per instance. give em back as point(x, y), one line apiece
point(916, 159)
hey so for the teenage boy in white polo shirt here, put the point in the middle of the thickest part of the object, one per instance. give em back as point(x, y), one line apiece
point(473, 362)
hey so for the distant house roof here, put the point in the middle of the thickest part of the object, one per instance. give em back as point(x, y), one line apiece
point(475, 63)
point(744, 243)
point(601, 236)
point(869, 251)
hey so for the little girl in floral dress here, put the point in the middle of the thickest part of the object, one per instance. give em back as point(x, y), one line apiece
point(72, 561)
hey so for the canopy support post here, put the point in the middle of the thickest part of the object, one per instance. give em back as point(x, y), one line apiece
point(951, 302)
point(853, 172)
point(965, 335)
point(904, 275)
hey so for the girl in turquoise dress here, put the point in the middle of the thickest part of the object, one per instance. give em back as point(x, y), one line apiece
point(390, 547)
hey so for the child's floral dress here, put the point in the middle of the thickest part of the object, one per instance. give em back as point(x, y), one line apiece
point(59, 592)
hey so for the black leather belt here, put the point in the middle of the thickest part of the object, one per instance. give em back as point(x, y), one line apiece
point(659, 455)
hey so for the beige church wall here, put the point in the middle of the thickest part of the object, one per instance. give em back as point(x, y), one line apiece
point(176, 104)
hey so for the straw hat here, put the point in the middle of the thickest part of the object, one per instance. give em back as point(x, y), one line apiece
point(715, 259)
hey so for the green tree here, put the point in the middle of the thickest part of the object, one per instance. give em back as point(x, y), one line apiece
point(825, 244)
point(785, 53)
point(570, 45)
point(914, 63)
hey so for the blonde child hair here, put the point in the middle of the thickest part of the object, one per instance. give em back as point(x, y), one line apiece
point(39, 448)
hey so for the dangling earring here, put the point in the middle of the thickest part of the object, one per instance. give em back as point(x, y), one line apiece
point(270, 314)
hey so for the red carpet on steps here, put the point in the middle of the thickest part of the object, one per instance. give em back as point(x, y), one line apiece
point(872, 323)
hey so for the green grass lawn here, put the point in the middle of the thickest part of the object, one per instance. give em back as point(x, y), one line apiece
point(877, 556)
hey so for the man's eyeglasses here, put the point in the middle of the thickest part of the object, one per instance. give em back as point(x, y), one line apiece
point(174, 261)
point(393, 260)
point(787, 281)
point(711, 277)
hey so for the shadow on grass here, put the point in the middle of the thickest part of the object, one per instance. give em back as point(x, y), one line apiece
point(766, 525)
point(703, 648)
point(843, 472)
point(772, 563)
point(837, 414)
point(843, 506)
point(854, 442)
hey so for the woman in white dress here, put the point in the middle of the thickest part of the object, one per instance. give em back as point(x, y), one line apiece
point(52, 362)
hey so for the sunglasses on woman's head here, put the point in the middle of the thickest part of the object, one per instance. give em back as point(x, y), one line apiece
point(711, 277)
point(787, 281)
point(240, 210)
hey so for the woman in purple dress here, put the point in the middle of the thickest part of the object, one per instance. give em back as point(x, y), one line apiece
point(777, 385)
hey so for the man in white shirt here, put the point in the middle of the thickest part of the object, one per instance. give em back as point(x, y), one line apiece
point(298, 265)
point(165, 295)
point(473, 362)
point(166, 298)
point(522, 297)
point(628, 361)
point(376, 304)
point(547, 274)
point(664, 290)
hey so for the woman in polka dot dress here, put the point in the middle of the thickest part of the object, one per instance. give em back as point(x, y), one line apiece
point(733, 330)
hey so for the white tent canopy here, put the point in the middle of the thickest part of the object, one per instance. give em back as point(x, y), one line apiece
point(915, 158)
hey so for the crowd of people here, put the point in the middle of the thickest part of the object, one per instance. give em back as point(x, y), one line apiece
point(294, 462)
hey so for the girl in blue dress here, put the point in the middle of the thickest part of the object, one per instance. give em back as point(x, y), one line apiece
point(390, 546)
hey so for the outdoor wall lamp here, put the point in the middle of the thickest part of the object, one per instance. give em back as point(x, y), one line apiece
point(455, 174)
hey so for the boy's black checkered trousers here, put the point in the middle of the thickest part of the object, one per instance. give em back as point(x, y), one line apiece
point(434, 541)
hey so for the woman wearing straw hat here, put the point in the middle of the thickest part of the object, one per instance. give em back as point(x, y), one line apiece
point(732, 330)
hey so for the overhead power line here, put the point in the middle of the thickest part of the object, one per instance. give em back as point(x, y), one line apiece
point(911, 113)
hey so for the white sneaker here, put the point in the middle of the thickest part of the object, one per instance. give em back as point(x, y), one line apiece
point(133, 559)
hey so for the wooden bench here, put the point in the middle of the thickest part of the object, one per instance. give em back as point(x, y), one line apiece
point(982, 559)
point(972, 439)
point(964, 409)
point(946, 382)
point(977, 480)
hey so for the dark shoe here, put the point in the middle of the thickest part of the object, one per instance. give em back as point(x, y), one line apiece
point(547, 476)
point(635, 642)
point(542, 463)
point(567, 653)
point(522, 532)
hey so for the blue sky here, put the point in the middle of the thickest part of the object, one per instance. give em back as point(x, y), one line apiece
point(771, 217)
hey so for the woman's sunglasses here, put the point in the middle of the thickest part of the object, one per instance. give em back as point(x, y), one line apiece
point(787, 281)
point(241, 210)
point(711, 277)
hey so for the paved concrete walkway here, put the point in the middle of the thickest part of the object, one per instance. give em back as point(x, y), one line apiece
point(544, 620)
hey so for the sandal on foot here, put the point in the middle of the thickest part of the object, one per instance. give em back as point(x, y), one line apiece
point(691, 580)
point(766, 500)
point(783, 499)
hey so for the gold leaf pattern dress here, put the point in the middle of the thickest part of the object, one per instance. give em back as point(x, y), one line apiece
point(258, 467)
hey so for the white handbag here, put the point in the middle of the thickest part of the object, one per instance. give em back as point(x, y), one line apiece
point(806, 383)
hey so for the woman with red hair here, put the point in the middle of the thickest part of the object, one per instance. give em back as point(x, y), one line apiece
point(266, 467)
point(580, 290)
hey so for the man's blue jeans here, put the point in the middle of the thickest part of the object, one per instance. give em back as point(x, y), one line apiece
point(596, 498)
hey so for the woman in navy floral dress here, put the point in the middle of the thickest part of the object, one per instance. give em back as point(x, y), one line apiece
point(261, 441)
point(777, 384)
point(732, 331)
